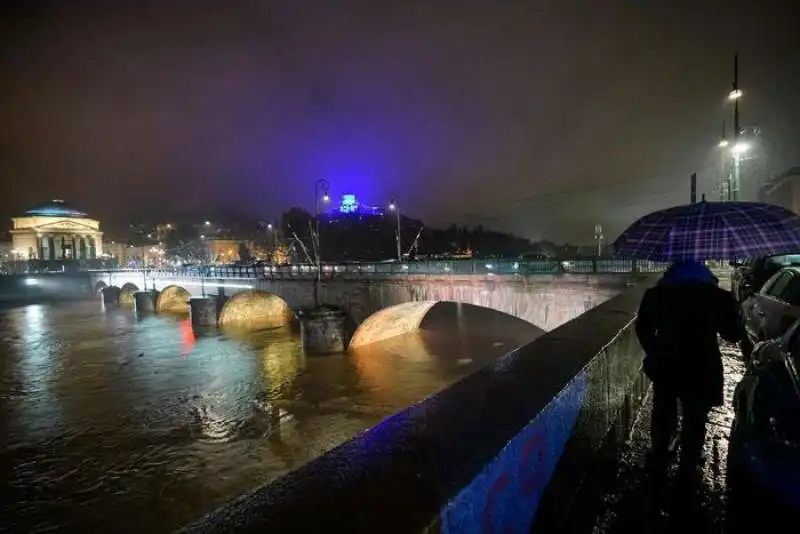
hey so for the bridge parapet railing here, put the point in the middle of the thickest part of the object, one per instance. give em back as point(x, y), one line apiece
point(513, 444)
point(415, 268)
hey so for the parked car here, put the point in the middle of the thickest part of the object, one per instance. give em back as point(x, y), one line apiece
point(772, 310)
point(764, 447)
point(749, 276)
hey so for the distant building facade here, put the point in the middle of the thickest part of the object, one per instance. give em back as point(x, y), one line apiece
point(53, 231)
point(6, 251)
point(131, 256)
point(783, 190)
point(227, 250)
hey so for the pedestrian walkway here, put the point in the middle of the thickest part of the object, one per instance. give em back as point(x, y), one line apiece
point(642, 505)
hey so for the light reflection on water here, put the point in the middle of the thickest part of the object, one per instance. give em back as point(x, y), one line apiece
point(112, 423)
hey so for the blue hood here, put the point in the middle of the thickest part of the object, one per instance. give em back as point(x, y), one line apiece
point(688, 271)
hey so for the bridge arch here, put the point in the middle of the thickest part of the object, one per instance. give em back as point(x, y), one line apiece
point(255, 310)
point(173, 299)
point(460, 316)
point(126, 293)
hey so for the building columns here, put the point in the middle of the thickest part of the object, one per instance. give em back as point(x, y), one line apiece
point(53, 247)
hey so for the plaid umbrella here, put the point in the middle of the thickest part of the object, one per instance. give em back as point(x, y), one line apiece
point(712, 231)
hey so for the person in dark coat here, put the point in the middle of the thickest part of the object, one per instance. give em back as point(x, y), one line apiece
point(677, 326)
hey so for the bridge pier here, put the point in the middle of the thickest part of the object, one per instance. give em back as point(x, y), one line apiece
point(322, 330)
point(204, 311)
point(110, 295)
point(144, 301)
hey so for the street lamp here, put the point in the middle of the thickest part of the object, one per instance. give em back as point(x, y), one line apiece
point(740, 148)
point(321, 188)
point(396, 209)
point(274, 231)
point(599, 238)
point(321, 196)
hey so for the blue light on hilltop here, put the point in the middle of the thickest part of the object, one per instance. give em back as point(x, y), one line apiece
point(350, 206)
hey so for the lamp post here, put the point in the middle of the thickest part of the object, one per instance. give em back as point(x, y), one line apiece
point(598, 237)
point(738, 148)
point(144, 267)
point(202, 265)
point(274, 231)
point(321, 195)
point(724, 176)
point(393, 206)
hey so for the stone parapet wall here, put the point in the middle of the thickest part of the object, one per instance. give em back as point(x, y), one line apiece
point(502, 450)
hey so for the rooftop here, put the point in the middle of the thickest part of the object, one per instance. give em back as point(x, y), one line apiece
point(54, 208)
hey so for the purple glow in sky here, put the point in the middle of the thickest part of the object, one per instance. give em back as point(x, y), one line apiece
point(514, 115)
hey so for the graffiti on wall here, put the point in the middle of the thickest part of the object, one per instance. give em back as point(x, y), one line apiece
point(504, 497)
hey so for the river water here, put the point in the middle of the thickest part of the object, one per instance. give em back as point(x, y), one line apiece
point(109, 423)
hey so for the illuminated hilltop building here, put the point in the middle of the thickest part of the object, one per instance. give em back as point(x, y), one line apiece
point(350, 207)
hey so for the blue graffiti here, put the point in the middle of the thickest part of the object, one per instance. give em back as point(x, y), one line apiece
point(504, 497)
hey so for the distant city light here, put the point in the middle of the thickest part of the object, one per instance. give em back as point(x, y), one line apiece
point(207, 223)
point(736, 94)
point(269, 226)
point(202, 236)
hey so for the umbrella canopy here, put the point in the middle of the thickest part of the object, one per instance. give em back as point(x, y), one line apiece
point(712, 231)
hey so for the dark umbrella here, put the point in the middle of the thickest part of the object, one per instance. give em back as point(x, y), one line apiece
point(712, 231)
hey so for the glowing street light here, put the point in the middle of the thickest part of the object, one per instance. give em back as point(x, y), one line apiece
point(723, 143)
point(207, 223)
point(396, 209)
point(269, 226)
point(740, 148)
point(735, 94)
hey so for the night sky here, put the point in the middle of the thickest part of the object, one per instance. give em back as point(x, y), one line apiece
point(538, 117)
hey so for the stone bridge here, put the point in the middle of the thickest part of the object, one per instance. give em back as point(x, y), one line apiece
point(377, 307)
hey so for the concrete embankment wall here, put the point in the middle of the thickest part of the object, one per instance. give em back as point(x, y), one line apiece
point(509, 448)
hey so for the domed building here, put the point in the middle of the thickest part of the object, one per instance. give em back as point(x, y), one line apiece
point(54, 231)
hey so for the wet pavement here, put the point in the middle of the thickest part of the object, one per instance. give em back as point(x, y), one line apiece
point(642, 503)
